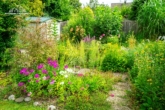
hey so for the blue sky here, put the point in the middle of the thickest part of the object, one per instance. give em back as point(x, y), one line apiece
point(105, 1)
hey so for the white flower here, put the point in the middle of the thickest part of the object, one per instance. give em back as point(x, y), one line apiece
point(51, 107)
point(61, 83)
point(11, 97)
point(66, 76)
point(69, 70)
point(44, 78)
point(62, 72)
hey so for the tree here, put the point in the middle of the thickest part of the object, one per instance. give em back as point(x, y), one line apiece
point(76, 5)
point(60, 9)
point(93, 4)
point(36, 7)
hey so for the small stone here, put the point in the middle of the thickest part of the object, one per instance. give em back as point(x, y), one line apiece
point(20, 99)
point(36, 104)
point(51, 107)
point(11, 97)
point(27, 99)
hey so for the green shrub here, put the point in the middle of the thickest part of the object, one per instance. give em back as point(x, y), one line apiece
point(107, 21)
point(148, 76)
point(115, 59)
point(80, 24)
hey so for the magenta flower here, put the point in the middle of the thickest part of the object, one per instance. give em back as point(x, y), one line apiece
point(26, 73)
point(24, 90)
point(31, 71)
point(23, 70)
point(20, 84)
point(112, 95)
point(40, 66)
point(52, 82)
point(44, 71)
point(47, 77)
point(53, 63)
point(66, 66)
point(36, 75)
point(80, 75)
point(37, 81)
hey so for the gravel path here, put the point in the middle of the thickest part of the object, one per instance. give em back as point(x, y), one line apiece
point(118, 97)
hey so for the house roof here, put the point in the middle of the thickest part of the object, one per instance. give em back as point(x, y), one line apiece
point(38, 19)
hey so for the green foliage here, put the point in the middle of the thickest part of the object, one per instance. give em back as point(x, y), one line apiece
point(76, 5)
point(36, 7)
point(80, 24)
point(114, 59)
point(32, 46)
point(135, 7)
point(8, 26)
point(148, 75)
point(107, 21)
point(60, 9)
point(152, 25)
point(125, 11)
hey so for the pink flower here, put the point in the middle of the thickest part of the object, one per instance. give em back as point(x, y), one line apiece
point(54, 73)
point(31, 71)
point(52, 82)
point(20, 84)
point(69, 82)
point(37, 81)
point(36, 75)
point(80, 75)
point(40, 66)
point(47, 77)
point(53, 63)
point(44, 71)
point(23, 70)
point(29, 94)
point(66, 66)
point(112, 95)
point(103, 35)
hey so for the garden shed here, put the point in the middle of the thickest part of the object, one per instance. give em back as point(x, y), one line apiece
point(46, 25)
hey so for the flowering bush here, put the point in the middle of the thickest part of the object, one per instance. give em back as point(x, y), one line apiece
point(52, 80)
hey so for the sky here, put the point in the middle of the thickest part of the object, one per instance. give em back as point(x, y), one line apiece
point(105, 1)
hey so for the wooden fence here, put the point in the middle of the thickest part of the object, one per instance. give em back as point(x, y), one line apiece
point(130, 26)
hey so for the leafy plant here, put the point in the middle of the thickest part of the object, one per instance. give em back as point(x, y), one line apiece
point(107, 21)
point(148, 75)
point(152, 25)
point(114, 59)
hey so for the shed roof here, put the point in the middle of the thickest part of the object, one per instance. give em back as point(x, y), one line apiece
point(38, 19)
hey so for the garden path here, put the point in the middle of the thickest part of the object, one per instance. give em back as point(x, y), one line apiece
point(118, 96)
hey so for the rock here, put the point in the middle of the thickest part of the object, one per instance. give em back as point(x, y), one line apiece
point(51, 107)
point(20, 99)
point(36, 104)
point(27, 99)
point(11, 97)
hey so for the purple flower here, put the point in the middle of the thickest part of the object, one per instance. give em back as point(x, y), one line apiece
point(23, 70)
point(36, 75)
point(53, 63)
point(44, 71)
point(26, 73)
point(37, 81)
point(47, 77)
point(31, 71)
point(52, 82)
point(40, 66)
point(80, 75)
point(20, 84)
point(66, 66)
